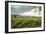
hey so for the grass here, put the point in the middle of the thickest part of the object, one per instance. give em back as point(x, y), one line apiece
point(26, 22)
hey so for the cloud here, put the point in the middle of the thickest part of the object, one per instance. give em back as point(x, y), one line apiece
point(17, 9)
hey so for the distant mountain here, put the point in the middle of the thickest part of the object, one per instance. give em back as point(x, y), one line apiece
point(15, 15)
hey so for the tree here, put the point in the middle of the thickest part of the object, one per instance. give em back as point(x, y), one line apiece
point(39, 8)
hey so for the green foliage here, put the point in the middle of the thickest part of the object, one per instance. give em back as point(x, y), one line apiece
point(26, 22)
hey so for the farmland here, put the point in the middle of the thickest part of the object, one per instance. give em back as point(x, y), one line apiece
point(30, 22)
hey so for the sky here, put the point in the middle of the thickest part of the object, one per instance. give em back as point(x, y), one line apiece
point(24, 10)
point(18, 9)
